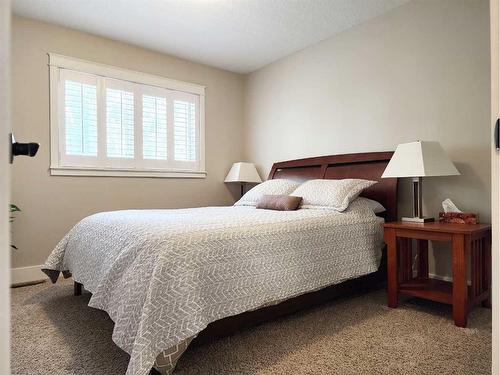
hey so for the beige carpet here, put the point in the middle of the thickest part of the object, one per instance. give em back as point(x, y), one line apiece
point(56, 333)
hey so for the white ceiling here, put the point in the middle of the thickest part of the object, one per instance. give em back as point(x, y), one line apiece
point(237, 35)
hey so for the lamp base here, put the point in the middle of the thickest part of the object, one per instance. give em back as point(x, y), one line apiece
point(418, 219)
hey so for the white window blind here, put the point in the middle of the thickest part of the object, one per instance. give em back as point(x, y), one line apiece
point(154, 127)
point(80, 117)
point(184, 130)
point(106, 125)
point(119, 123)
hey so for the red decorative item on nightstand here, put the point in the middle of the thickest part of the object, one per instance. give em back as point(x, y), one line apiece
point(458, 217)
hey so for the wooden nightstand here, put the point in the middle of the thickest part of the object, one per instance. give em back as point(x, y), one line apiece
point(471, 247)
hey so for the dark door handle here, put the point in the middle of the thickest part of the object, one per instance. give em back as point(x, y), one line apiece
point(497, 134)
point(27, 149)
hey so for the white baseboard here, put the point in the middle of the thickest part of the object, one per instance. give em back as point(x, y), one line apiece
point(439, 277)
point(445, 278)
point(26, 275)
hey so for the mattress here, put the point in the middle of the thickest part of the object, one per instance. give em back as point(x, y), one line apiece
point(164, 275)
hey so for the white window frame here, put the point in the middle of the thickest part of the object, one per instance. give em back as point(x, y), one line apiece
point(149, 168)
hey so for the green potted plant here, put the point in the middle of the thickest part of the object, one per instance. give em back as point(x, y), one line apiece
point(12, 210)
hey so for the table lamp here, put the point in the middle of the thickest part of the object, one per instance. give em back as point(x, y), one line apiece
point(243, 173)
point(416, 160)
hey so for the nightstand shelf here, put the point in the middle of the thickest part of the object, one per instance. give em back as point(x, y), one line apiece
point(471, 250)
point(427, 288)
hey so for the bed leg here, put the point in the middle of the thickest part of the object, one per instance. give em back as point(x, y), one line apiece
point(77, 289)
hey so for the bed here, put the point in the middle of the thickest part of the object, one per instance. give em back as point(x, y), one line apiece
point(167, 277)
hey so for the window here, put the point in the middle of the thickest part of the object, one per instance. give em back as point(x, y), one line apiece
point(107, 121)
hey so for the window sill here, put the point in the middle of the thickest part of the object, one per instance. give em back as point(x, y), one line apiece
point(111, 172)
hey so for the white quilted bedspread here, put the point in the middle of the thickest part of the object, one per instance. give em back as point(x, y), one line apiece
point(163, 275)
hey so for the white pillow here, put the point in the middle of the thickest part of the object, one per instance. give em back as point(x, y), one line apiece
point(375, 206)
point(269, 187)
point(331, 194)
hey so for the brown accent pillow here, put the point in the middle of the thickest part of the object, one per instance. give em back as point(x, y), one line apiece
point(279, 202)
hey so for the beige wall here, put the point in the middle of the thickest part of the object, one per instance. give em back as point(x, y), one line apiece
point(418, 72)
point(52, 205)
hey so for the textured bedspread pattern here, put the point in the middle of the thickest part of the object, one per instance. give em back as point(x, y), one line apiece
point(164, 275)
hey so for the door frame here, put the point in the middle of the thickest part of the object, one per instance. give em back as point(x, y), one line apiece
point(495, 182)
point(5, 17)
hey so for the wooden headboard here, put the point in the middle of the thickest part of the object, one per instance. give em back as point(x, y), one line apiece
point(369, 166)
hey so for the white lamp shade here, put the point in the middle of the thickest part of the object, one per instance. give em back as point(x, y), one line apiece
point(243, 172)
point(419, 159)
